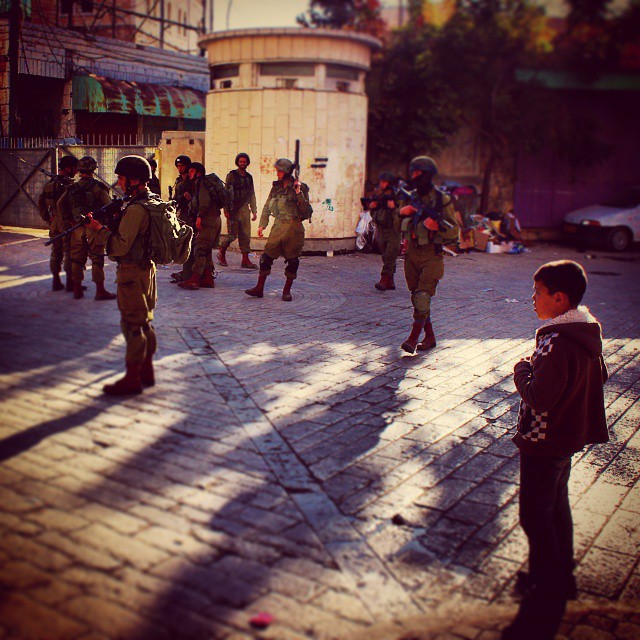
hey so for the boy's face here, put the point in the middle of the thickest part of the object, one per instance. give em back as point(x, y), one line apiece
point(548, 305)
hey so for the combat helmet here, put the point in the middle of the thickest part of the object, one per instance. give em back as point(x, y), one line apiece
point(87, 164)
point(67, 162)
point(199, 167)
point(285, 165)
point(424, 164)
point(183, 160)
point(389, 177)
point(243, 155)
point(134, 167)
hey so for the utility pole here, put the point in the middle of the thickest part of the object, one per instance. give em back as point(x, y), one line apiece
point(15, 28)
point(162, 24)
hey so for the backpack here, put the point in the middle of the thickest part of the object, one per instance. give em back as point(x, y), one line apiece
point(169, 238)
point(218, 191)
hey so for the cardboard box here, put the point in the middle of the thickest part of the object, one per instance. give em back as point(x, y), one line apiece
point(480, 240)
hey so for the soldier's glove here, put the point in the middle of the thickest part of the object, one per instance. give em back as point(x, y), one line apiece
point(407, 210)
point(199, 223)
point(92, 223)
point(431, 224)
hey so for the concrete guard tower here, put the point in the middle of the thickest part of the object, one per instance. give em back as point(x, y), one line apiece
point(270, 87)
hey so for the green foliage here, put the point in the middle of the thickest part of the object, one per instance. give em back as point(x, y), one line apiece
point(355, 15)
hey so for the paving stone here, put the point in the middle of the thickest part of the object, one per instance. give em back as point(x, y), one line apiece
point(144, 504)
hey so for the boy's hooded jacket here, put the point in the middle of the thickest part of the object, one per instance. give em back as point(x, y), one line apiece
point(562, 406)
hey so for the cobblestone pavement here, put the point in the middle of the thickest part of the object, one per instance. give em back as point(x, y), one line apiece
point(291, 459)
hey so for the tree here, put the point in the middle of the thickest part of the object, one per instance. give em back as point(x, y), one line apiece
point(355, 15)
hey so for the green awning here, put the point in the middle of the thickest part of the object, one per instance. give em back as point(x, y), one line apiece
point(104, 95)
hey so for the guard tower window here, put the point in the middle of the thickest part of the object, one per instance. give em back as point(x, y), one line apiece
point(287, 69)
point(223, 72)
point(342, 72)
point(287, 83)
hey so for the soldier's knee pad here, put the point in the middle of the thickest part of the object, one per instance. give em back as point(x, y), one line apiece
point(421, 301)
point(292, 265)
point(266, 262)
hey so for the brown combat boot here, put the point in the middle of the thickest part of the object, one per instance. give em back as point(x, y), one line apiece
point(222, 257)
point(391, 285)
point(246, 263)
point(206, 279)
point(57, 283)
point(286, 292)
point(429, 340)
point(192, 283)
point(78, 290)
point(258, 290)
point(102, 293)
point(129, 385)
point(410, 344)
point(381, 285)
point(69, 284)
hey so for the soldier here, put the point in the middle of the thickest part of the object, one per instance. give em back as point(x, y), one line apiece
point(154, 183)
point(135, 276)
point(182, 188)
point(80, 197)
point(424, 263)
point(385, 215)
point(208, 199)
point(52, 192)
point(241, 211)
point(288, 203)
point(182, 193)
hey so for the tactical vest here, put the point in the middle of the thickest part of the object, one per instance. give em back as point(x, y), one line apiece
point(139, 251)
point(282, 203)
point(242, 189)
point(82, 197)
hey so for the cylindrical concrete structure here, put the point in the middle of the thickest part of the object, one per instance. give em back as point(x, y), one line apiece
point(271, 87)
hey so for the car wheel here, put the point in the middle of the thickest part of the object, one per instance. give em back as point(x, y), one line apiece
point(618, 239)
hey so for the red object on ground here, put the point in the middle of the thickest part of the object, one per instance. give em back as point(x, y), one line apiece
point(261, 620)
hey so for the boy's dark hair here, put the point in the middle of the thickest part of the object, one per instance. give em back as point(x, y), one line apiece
point(565, 276)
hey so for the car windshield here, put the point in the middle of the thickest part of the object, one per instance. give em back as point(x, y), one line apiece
point(627, 200)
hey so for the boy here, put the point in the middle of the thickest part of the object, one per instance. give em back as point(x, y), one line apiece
point(561, 411)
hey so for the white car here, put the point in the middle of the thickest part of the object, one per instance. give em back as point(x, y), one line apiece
point(616, 222)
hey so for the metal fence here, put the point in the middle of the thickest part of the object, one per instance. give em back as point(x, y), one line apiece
point(21, 181)
point(90, 139)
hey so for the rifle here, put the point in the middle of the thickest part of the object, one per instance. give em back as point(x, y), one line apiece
point(33, 166)
point(422, 212)
point(296, 162)
point(107, 215)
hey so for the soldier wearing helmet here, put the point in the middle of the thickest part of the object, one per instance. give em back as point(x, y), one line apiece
point(135, 275)
point(241, 211)
point(52, 192)
point(384, 212)
point(288, 204)
point(88, 194)
point(424, 262)
point(207, 201)
point(154, 183)
point(182, 187)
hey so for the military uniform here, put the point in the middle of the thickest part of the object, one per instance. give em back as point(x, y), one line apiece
point(154, 185)
point(389, 228)
point(424, 262)
point(135, 279)
point(239, 214)
point(286, 239)
point(79, 199)
point(60, 249)
point(182, 186)
point(206, 207)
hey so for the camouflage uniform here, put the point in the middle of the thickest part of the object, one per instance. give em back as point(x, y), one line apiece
point(60, 249)
point(390, 233)
point(154, 184)
point(424, 262)
point(79, 199)
point(206, 206)
point(286, 239)
point(180, 187)
point(135, 278)
point(239, 214)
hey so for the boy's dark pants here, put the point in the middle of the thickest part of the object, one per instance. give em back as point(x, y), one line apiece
point(545, 516)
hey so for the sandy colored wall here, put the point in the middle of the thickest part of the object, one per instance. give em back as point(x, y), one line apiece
point(265, 124)
point(174, 144)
